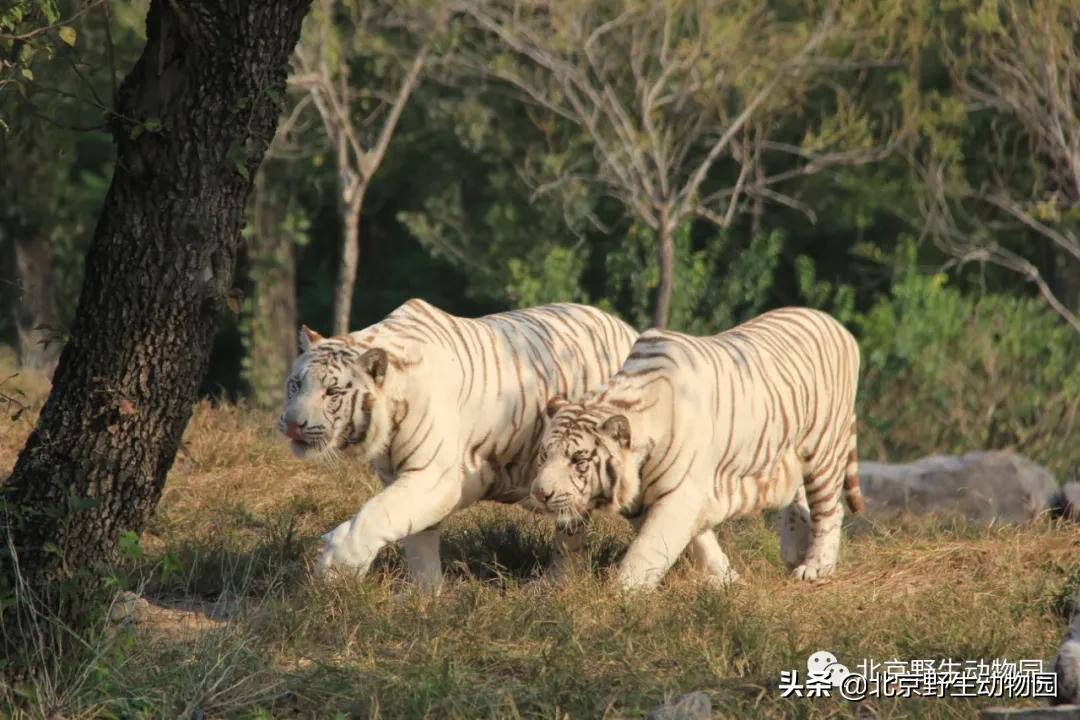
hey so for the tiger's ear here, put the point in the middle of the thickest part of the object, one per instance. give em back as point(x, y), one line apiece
point(617, 427)
point(309, 337)
point(374, 362)
point(554, 405)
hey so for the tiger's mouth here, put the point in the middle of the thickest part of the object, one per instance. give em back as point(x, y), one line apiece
point(305, 449)
point(567, 509)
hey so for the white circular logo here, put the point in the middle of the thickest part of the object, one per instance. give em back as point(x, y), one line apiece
point(823, 666)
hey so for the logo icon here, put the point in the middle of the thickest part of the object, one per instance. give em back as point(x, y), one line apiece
point(823, 667)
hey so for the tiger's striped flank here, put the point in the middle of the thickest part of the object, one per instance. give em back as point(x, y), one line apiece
point(694, 430)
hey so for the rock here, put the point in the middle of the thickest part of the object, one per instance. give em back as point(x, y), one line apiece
point(1067, 667)
point(1066, 501)
point(129, 607)
point(1061, 712)
point(691, 706)
point(1067, 662)
point(984, 487)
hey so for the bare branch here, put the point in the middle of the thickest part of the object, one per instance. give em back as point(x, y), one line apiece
point(374, 158)
point(1063, 240)
point(736, 190)
point(1007, 259)
point(690, 189)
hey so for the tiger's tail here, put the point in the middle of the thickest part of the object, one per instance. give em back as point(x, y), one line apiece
point(852, 491)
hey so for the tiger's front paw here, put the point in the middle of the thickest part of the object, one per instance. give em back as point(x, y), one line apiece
point(340, 554)
point(810, 572)
point(631, 580)
point(721, 580)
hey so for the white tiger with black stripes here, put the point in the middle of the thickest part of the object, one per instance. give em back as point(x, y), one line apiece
point(448, 410)
point(694, 430)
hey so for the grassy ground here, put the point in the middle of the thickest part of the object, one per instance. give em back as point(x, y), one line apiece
point(236, 627)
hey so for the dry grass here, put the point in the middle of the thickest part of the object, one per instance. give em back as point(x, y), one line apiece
point(238, 629)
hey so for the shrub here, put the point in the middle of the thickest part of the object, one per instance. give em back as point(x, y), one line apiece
point(948, 372)
point(719, 282)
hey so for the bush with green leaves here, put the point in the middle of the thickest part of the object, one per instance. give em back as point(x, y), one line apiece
point(719, 283)
point(949, 372)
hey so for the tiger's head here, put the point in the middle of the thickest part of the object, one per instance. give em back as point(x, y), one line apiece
point(586, 461)
point(335, 397)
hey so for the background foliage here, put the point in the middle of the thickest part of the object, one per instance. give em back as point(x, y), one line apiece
point(957, 355)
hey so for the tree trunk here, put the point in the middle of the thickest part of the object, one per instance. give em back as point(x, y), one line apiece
point(33, 306)
point(193, 120)
point(666, 254)
point(28, 188)
point(272, 324)
point(350, 260)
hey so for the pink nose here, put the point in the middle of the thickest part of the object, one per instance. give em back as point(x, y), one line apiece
point(294, 432)
point(541, 496)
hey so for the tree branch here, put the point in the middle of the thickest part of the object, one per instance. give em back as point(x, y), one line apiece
point(374, 158)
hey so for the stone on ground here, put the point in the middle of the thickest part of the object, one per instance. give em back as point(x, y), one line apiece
point(691, 706)
point(984, 487)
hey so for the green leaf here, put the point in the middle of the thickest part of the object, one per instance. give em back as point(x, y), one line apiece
point(152, 124)
point(129, 546)
point(170, 566)
point(28, 73)
point(68, 35)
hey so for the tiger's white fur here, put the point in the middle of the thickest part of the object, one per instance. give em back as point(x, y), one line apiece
point(448, 410)
point(692, 431)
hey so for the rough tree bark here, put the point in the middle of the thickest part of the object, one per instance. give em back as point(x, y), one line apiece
point(193, 120)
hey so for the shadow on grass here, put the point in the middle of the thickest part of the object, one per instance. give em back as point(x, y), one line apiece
point(277, 550)
point(517, 547)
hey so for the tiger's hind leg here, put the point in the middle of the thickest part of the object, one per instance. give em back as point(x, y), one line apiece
point(709, 558)
point(795, 530)
point(824, 487)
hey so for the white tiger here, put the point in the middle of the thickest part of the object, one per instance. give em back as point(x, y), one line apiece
point(449, 411)
point(692, 431)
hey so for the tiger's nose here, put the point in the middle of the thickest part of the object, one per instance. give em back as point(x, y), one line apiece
point(541, 496)
point(295, 431)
